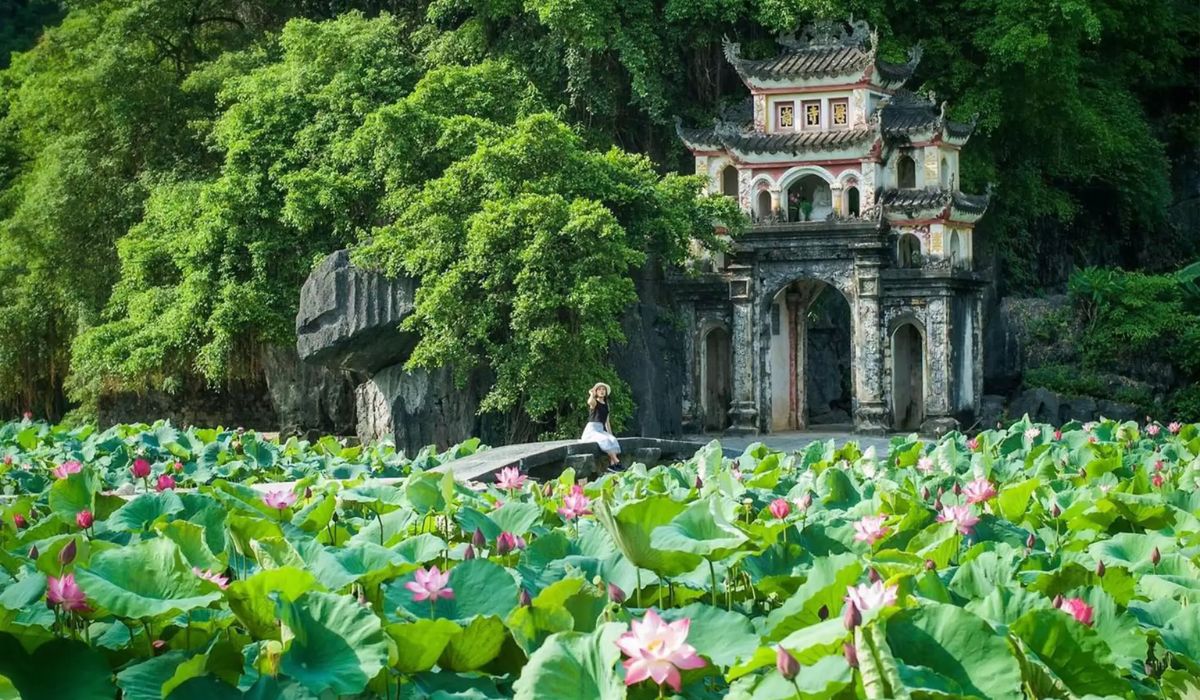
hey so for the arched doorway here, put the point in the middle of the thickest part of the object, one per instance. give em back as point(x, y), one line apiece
point(908, 251)
point(908, 377)
point(716, 375)
point(906, 173)
point(852, 206)
point(945, 173)
point(762, 205)
point(810, 357)
point(958, 253)
point(809, 199)
point(729, 181)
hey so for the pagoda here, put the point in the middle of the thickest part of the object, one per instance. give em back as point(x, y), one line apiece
point(859, 259)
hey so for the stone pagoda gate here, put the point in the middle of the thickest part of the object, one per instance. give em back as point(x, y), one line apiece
point(852, 298)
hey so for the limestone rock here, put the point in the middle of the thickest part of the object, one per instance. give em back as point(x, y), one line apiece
point(309, 400)
point(349, 318)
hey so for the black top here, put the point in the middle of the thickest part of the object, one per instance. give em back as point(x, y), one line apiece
point(599, 414)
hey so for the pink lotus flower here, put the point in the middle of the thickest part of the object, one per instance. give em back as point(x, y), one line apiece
point(1152, 430)
point(575, 504)
point(67, 468)
point(140, 468)
point(1157, 480)
point(178, 467)
point(780, 508)
point(961, 516)
point(1033, 433)
point(510, 478)
point(1093, 439)
point(8, 460)
point(1090, 426)
point(221, 581)
point(658, 650)
point(870, 529)
point(1174, 427)
point(66, 593)
point(507, 542)
point(868, 597)
point(973, 444)
point(1159, 465)
point(165, 482)
point(279, 499)
point(1078, 609)
point(737, 473)
point(1058, 435)
point(925, 465)
point(980, 490)
point(430, 585)
point(20, 521)
point(84, 519)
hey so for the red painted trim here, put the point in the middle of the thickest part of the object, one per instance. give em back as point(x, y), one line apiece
point(861, 84)
point(925, 222)
point(795, 163)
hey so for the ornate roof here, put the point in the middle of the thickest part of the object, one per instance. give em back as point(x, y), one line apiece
point(905, 114)
point(913, 204)
point(743, 138)
point(823, 49)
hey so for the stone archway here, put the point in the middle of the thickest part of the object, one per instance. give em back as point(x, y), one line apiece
point(716, 378)
point(808, 198)
point(908, 377)
point(809, 357)
point(762, 206)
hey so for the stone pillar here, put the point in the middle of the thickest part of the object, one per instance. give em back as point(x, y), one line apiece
point(870, 414)
point(776, 198)
point(743, 411)
point(692, 413)
point(938, 400)
point(836, 191)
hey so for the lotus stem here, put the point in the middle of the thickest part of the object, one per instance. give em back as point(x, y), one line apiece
point(712, 572)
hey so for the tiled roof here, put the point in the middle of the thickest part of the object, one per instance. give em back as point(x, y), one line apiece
point(795, 142)
point(922, 200)
point(823, 49)
point(906, 113)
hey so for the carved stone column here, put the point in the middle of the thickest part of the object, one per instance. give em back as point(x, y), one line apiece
point(743, 411)
point(938, 401)
point(870, 414)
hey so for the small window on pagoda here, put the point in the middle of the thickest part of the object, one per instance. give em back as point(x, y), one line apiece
point(812, 115)
point(729, 181)
point(839, 113)
point(852, 204)
point(909, 251)
point(785, 116)
point(906, 173)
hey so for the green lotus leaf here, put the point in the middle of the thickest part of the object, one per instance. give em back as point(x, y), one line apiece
point(252, 599)
point(143, 580)
point(823, 679)
point(725, 637)
point(75, 493)
point(379, 497)
point(545, 615)
point(419, 644)
point(370, 564)
point(516, 517)
point(479, 643)
point(61, 669)
point(470, 519)
point(630, 526)
point(1071, 650)
point(146, 680)
point(206, 688)
point(826, 585)
point(390, 528)
point(1004, 605)
point(193, 545)
point(337, 645)
point(978, 577)
point(480, 587)
point(1182, 637)
point(702, 529)
point(957, 645)
point(809, 644)
point(420, 549)
point(315, 516)
point(573, 666)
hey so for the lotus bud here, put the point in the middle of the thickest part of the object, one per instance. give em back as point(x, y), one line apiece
point(699, 483)
point(526, 599)
point(1155, 556)
point(505, 543)
point(930, 565)
point(548, 489)
point(140, 468)
point(468, 553)
point(925, 493)
point(20, 521)
point(308, 492)
point(1157, 480)
point(1030, 541)
point(615, 594)
point(747, 502)
point(478, 539)
point(957, 489)
point(66, 555)
point(84, 519)
point(178, 466)
point(1055, 511)
point(937, 503)
point(33, 552)
point(823, 613)
point(805, 501)
point(872, 575)
point(1082, 473)
point(851, 654)
point(786, 663)
point(334, 517)
point(852, 617)
point(941, 492)
point(1100, 568)
point(1058, 599)
point(8, 460)
point(1058, 435)
point(159, 646)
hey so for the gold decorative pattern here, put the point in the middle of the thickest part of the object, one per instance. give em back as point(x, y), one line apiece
point(812, 114)
point(840, 113)
point(786, 116)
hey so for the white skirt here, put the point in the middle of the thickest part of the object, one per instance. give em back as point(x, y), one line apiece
point(594, 432)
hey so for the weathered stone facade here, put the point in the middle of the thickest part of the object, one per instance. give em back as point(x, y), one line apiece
point(851, 184)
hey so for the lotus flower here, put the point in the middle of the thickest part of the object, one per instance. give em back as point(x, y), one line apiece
point(221, 581)
point(575, 504)
point(925, 464)
point(658, 650)
point(84, 519)
point(961, 516)
point(279, 499)
point(615, 594)
point(140, 468)
point(66, 555)
point(1174, 427)
point(1093, 439)
point(1157, 480)
point(1058, 435)
point(510, 478)
point(973, 444)
point(780, 508)
point(430, 585)
point(20, 521)
point(1078, 609)
point(507, 542)
point(787, 664)
point(165, 482)
point(66, 593)
point(1033, 433)
point(868, 597)
point(804, 502)
point(8, 460)
point(468, 553)
point(67, 468)
point(1152, 430)
point(1090, 426)
point(870, 529)
point(980, 490)
point(479, 539)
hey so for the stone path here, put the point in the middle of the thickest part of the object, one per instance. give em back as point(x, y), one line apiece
point(796, 440)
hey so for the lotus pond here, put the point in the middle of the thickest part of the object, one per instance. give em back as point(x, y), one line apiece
point(1025, 562)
